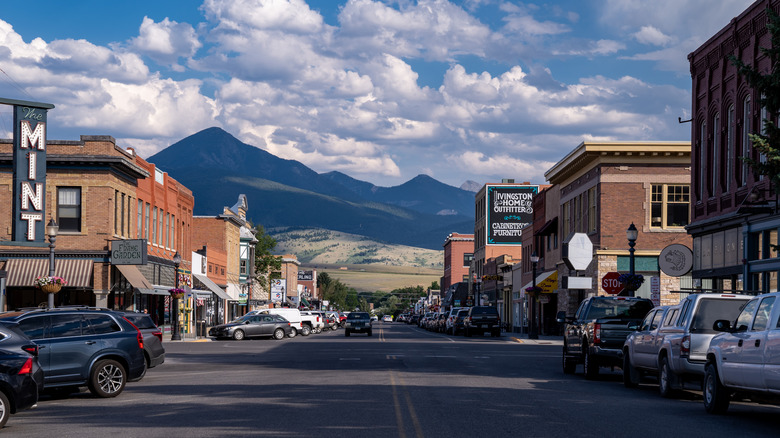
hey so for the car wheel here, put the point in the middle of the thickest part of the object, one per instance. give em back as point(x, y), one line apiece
point(279, 334)
point(305, 330)
point(238, 335)
point(5, 409)
point(346, 332)
point(107, 379)
point(716, 396)
point(630, 374)
point(569, 365)
point(590, 364)
point(666, 379)
point(293, 333)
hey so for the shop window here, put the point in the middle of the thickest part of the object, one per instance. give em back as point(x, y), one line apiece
point(69, 208)
point(669, 206)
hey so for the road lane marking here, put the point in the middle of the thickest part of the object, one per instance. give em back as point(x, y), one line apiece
point(410, 407)
point(349, 358)
point(382, 335)
point(399, 419)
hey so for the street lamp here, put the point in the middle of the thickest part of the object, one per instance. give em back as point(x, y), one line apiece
point(532, 331)
point(631, 235)
point(51, 230)
point(176, 336)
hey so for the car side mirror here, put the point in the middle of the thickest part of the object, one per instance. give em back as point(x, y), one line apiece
point(561, 316)
point(721, 325)
point(246, 322)
point(634, 325)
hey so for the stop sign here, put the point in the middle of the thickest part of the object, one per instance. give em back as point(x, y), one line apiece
point(610, 283)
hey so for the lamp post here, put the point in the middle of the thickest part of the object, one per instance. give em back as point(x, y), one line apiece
point(631, 235)
point(51, 230)
point(533, 333)
point(175, 336)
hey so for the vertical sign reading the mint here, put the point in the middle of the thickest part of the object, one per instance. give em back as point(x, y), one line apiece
point(510, 209)
point(29, 162)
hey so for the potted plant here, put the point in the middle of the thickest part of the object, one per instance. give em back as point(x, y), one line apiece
point(533, 289)
point(50, 284)
point(177, 293)
point(631, 282)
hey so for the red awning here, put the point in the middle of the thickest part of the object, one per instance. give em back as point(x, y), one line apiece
point(23, 272)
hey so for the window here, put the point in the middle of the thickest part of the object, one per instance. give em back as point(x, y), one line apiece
point(761, 321)
point(173, 231)
point(140, 225)
point(465, 277)
point(69, 208)
point(764, 117)
point(591, 210)
point(116, 212)
point(63, 326)
point(102, 324)
point(745, 316)
point(146, 222)
point(154, 226)
point(702, 160)
point(669, 206)
point(467, 259)
point(34, 327)
point(746, 117)
point(167, 230)
point(715, 156)
point(729, 148)
point(565, 219)
point(160, 237)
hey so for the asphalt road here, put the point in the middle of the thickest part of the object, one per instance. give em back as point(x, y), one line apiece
point(401, 382)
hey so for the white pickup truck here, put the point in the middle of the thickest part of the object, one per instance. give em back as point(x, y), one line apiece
point(312, 322)
point(744, 360)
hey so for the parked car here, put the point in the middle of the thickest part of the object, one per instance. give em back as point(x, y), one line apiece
point(358, 322)
point(595, 336)
point(81, 346)
point(254, 326)
point(21, 376)
point(743, 360)
point(387, 318)
point(641, 347)
point(312, 322)
point(291, 315)
point(459, 322)
point(451, 319)
point(414, 319)
point(154, 352)
point(481, 319)
point(677, 352)
point(441, 321)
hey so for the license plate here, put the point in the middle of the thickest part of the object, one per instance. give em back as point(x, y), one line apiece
point(359, 324)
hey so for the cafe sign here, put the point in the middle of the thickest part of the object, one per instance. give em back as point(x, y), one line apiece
point(128, 252)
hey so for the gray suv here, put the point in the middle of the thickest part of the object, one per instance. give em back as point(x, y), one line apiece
point(97, 348)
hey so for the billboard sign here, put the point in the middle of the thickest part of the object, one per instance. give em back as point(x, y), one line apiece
point(509, 210)
point(305, 275)
point(278, 289)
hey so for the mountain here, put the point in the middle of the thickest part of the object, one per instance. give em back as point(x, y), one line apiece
point(217, 167)
point(471, 186)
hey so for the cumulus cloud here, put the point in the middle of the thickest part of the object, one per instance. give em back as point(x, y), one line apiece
point(651, 35)
point(166, 42)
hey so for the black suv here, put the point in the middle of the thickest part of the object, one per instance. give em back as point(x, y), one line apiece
point(97, 348)
point(482, 319)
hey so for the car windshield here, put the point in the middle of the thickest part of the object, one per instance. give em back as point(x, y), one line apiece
point(358, 315)
point(241, 319)
point(631, 309)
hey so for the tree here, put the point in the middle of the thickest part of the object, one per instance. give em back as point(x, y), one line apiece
point(265, 262)
point(767, 143)
point(435, 285)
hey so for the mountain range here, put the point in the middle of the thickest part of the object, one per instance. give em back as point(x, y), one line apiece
point(217, 167)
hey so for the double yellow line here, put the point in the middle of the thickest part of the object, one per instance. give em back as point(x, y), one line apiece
point(399, 416)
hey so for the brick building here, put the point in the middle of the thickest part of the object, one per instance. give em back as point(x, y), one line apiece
point(458, 254)
point(606, 186)
point(734, 217)
point(90, 191)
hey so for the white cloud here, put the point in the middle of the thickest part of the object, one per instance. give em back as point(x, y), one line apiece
point(651, 35)
point(167, 41)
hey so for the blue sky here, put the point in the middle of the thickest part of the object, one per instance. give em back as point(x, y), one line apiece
point(380, 90)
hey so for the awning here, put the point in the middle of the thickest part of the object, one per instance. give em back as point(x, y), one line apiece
point(210, 285)
point(548, 228)
point(136, 278)
point(23, 272)
point(304, 302)
point(548, 281)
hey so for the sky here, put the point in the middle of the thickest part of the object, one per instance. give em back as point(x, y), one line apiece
point(382, 91)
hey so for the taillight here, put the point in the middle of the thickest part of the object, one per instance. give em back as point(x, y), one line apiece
point(32, 349)
point(158, 335)
point(27, 367)
point(597, 333)
point(685, 346)
point(138, 336)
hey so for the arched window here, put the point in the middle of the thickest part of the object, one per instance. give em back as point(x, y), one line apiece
point(702, 160)
point(747, 117)
point(715, 155)
point(730, 148)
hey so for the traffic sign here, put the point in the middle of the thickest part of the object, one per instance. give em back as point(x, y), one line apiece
point(610, 283)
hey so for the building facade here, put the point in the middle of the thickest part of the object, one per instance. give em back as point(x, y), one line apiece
point(734, 219)
point(458, 254)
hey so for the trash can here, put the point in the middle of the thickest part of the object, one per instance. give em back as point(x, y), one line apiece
point(201, 328)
